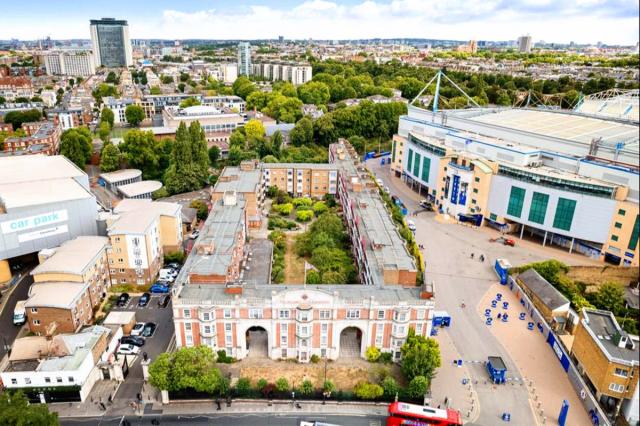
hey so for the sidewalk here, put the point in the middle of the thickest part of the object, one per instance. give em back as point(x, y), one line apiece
point(238, 406)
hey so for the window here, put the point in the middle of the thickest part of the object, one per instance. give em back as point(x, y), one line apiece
point(616, 387)
point(228, 340)
point(34, 310)
point(36, 322)
point(227, 327)
point(47, 379)
point(614, 238)
point(227, 313)
point(393, 152)
point(477, 179)
point(633, 241)
point(59, 379)
point(516, 200)
point(416, 165)
point(564, 214)
point(426, 168)
point(353, 314)
point(381, 314)
point(399, 316)
point(622, 212)
point(284, 353)
point(323, 353)
point(186, 313)
point(255, 313)
point(621, 372)
point(14, 381)
point(27, 381)
point(473, 201)
point(538, 209)
point(325, 314)
point(379, 335)
point(189, 340)
point(419, 329)
point(410, 159)
point(618, 225)
point(206, 316)
point(493, 216)
point(475, 190)
point(187, 326)
point(70, 379)
point(420, 314)
point(283, 314)
point(206, 329)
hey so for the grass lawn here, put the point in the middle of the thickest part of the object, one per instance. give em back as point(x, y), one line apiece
point(294, 264)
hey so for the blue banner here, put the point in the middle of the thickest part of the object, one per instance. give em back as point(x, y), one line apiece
point(454, 189)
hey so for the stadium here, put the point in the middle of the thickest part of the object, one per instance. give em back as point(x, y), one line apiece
point(567, 178)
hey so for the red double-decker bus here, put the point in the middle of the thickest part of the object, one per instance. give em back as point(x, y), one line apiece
point(403, 414)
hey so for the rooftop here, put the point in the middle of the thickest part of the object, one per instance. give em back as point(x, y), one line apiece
point(73, 256)
point(136, 189)
point(551, 297)
point(603, 328)
point(32, 193)
point(132, 222)
point(58, 294)
point(312, 166)
point(162, 208)
point(241, 181)
point(36, 168)
point(121, 175)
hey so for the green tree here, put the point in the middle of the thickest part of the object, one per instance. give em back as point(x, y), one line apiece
point(201, 206)
point(420, 356)
point(237, 139)
point(189, 102)
point(189, 164)
point(243, 87)
point(214, 155)
point(610, 297)
point(112, 78)
point(306, 388)
point(102, 91)
point(76, 145)
point(276, 142)
point(139, 149)
point(187, 368)
point(160, 372)
point(314, 92)
point(254, 129)
point(418, 387)
point(365, 390)
point(324, 130)
point(167, 79)
point(134, 114)
point(390, 386)
point(243, 387)
point(155, 90)
point(181, 87)
point(15, 410)
point(302, 133)
point(106, 115)
point(358, 143)
point(16, 118)
point(104, 131)
point(372, 354)
point(110, 158)
point(282, 385)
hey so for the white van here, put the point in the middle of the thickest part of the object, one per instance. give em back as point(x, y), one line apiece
point(20, 313)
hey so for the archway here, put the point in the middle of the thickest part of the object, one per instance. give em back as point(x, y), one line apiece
point(257, 342)
point(350, 342)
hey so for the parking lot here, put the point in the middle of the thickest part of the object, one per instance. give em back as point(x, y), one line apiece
point(459, 278)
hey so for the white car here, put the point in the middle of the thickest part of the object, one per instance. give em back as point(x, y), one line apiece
point(194, 234)
point(128, 349)
point(410, 224)
point(137, 329)
point(380, 182)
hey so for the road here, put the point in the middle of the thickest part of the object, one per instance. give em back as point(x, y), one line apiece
point(230, 420)
point(8, 331)
point(457, 279)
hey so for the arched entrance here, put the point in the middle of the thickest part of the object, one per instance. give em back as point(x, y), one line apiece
point(350, 342)
point(257, 342)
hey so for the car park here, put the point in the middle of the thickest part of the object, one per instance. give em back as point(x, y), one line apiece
point(128, 349)
point(123, 299)
point(132, 340)
point(159, 288)
point(149, 329)
point(144, 300)
point(164, 300)
point(137, 329)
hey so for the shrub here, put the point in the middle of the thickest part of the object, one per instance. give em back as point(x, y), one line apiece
point(381, 372)
point(328, 386)
point(372, 354)
point(223, 358)
point(302, 201)
point(306, 388)
point(418, 387)
point(243, 387)
point(261, 384)
point(390, 386)
point(315, 359)
point(284, 209)
point(282, 385)
point(304, 215)
point(385, 358)
point(366, 390)
point(319, 207)
point(268, 390)
point(174, 256)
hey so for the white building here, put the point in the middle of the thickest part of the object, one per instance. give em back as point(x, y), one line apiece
point(71, 63)
point(111, 43)
point(118, 106)
point(525, 43)
point(49, 98)
point(294, 73)
point(244, 58)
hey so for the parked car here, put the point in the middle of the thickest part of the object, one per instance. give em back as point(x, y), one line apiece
point(144, 300)
point(149, 329)
point(380, 182)
point(123, 299)
point(164, 300)
point(411, 225)
point(174, 265)
point(194, 234)
point(387, 190)
point(132, 340)
point(159, 288)
point(168, 275)
point(137, 329)
point(128, 349)
point(426, 205)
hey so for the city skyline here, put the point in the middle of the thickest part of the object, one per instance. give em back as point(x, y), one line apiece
point(584, 22)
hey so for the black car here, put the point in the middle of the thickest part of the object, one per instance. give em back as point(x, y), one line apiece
point(164, 301)
point(123, 299)
point(132, 340)
point(144, 300)
point(148, 330)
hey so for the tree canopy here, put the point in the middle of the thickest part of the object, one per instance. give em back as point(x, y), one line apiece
point(187, 368)
point(420, 356)
point(15, 410)
point(134, 114)
point(106, 115)
point(76, 145)
point(189, 102)
point(109, 158)
point(16, 118)
point(189, 162)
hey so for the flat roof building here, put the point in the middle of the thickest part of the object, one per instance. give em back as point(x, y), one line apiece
point(111, 43)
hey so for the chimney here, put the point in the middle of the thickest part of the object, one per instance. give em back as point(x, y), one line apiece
point(427, 291)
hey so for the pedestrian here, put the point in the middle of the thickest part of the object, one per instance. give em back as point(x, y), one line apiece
point(472, 255)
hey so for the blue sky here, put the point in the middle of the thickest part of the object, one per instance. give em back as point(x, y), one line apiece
point(583, 21)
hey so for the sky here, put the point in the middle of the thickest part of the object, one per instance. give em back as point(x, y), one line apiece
point(582, 21)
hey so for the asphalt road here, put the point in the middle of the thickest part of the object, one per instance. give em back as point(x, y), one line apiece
point(8, 331)
point(230, 420)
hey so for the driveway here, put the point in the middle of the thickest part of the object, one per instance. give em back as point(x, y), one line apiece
point(259, 267)
point(8, 331)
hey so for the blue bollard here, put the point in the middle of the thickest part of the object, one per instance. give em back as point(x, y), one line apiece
point(494, 304)
point(487, 312)
point(489, 321)
point(505, 318)
point(506, 417)
point(530, 326)
point(505, 305)
point(499, 296)
point(459, 363)
point(522, 315)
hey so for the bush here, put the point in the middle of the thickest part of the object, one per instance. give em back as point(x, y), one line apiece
point(328, 386)
point(366, 390)
point(243, 387)
point(201, 207)
point(174, 256)
point(390, 386)
point(319, 207)
point(418, 387)
point(261, 384)
point(282, 385)
point(372, 354)
point(284, 209)
point(306, 388)
point(303, 201)
point(223, 358)
point(304, 215)
point(386, 358)
point(315, 359)
point(160, 193)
